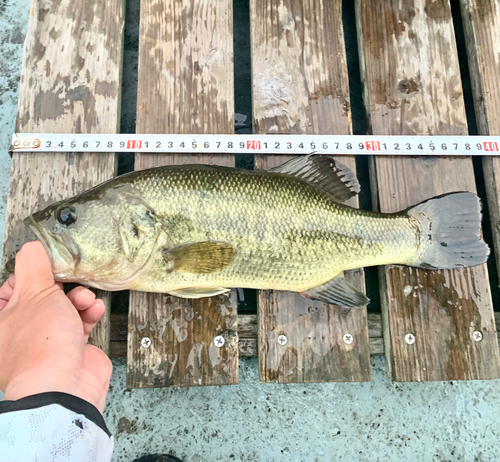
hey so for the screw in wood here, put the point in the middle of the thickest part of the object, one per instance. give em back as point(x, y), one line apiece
point(146, 342)
point(282, 339)
point(348, 338)
point(410, 339)
point(477, 336)
point(219, 341)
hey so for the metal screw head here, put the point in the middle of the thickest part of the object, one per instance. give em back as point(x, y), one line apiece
point(409, 339)
point(146, 342)
point(477, 336)
point(282, 339)
point(219, 341)
point(348, 338)
point(17, 143)
point(36, 143)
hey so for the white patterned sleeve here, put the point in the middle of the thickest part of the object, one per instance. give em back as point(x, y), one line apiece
point(53, 427)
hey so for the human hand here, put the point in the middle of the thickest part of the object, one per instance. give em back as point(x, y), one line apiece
point(44, 333)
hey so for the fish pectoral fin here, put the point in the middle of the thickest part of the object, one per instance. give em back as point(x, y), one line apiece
point(338, 292)
point(323, 172)
point(199, 257)
point(198, 292)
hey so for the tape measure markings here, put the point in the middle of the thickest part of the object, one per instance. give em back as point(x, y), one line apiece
point(264, 144)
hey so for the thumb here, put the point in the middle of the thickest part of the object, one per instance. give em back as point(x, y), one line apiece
point(33, 268)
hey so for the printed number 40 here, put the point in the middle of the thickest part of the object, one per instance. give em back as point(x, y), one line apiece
point(490, 146)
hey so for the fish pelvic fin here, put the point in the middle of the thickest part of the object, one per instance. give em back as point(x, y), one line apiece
point(338, 292)
point(198, 292)
point(323, 172)
point(199, 257)
point(450, 231)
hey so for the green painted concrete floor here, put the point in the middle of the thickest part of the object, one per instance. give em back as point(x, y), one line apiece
point(377, 421)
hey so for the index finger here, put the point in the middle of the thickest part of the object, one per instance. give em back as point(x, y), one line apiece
point(6, 291)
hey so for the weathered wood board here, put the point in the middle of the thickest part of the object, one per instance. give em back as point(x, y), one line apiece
point(412, 86)
point(300, 85)
point(70, 83)
point(247, 335)
point(185, 85)
point(481, 20)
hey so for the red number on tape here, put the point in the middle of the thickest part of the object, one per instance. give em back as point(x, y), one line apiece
point(373, 146)
point(490, 146)
point(253, 144)
point(134, 144)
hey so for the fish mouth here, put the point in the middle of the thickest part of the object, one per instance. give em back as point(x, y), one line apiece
point(63, 260)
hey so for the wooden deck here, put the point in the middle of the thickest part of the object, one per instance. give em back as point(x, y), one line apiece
point(412, 85)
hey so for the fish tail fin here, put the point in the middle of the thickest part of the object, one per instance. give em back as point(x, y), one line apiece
point(450, 230)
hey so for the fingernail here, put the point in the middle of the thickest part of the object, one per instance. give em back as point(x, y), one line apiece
point(10, 265)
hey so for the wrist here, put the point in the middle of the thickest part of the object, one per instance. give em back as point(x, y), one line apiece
point(38, 380)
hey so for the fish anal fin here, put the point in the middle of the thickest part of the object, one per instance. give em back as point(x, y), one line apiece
point(325, 173)
point(199, 257)
point(198, 292)
point(338, 292)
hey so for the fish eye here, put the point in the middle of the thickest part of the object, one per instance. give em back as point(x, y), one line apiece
point(66, 216)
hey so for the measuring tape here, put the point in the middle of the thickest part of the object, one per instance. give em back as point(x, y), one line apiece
point(264, 144)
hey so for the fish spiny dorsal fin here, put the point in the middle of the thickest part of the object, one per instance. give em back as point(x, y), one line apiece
point(325, 173)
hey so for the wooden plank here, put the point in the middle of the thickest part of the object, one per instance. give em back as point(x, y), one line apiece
point(185, 85)
point(70, 82)
point(412, 86)
point(247, 335)
point(481, 20)
point(300, 85)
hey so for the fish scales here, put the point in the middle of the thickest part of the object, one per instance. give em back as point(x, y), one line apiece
point(288, 235)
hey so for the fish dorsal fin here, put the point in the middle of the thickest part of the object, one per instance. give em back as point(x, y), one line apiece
point(323, 172)
point(338, 292)
point(199, 257)
point(198, 292)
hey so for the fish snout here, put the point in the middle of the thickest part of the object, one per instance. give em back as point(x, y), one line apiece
point(60, 256)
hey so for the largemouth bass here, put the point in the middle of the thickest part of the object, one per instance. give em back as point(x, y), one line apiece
point(196, 231)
